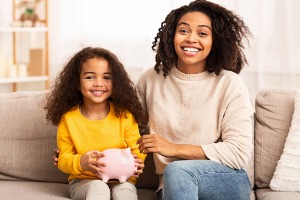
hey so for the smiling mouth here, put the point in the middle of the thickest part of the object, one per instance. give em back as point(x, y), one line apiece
point(97, 92)
point(191, 49)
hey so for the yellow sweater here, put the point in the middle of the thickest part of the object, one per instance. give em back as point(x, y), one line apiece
point(77, 135)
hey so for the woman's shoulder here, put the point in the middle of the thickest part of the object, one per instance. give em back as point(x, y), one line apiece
point(147, 77)
point(148, 73)
point(231, 77)
point(229, 74)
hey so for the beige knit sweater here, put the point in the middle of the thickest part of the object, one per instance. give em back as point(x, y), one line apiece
point(203, 109)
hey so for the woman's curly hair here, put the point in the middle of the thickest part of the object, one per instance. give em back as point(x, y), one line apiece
point(228, 32)
point(65, 93)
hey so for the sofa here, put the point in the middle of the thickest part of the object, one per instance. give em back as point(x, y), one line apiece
point(27, 141)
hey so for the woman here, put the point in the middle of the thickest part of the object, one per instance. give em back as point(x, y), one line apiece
point(198, 108)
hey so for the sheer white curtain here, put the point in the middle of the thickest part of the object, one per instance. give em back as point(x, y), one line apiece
point(274, 52)
point(127, 27)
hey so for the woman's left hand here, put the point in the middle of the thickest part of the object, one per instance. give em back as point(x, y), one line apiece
point(156, 144)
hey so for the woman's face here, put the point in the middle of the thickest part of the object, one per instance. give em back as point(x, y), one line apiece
point(96, 81)
point(193, 42)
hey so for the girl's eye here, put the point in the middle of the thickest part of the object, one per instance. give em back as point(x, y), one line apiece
point(107, 77)
point(90, 77)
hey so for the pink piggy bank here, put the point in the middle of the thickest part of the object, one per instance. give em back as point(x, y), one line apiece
point(120, 164)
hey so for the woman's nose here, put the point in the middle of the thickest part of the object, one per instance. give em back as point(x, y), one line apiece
point(191, 37)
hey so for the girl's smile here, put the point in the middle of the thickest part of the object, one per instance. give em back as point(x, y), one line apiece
point(96, 81)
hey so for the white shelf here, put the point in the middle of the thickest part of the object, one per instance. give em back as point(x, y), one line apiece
point(23, 79)
point(18, 48)
point(23, 29)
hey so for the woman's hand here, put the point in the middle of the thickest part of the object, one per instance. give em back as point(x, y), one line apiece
point(140, 166)
point(55, 156)
point(89, 162)
point(156, 144)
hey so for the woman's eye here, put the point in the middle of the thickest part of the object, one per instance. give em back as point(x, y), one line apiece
point(183, 31)
point(202, 34)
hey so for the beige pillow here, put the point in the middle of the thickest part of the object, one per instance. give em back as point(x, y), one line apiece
point(287, 174)
point(273, 116)
point(27, 140)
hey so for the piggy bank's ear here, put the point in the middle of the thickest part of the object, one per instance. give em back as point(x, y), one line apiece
point(126, 152)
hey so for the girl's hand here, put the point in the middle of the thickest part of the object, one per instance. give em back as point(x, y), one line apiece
point(140, 166)
point(89, 162)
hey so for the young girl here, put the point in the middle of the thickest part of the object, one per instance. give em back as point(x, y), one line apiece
point(95, 106)
point(198, 108)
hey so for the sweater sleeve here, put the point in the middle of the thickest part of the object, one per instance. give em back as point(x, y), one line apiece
point(68, 160)
point(235, 146)
point(132, 135)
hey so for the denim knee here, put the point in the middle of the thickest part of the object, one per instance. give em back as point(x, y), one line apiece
point(176, 171)
point(204, 179)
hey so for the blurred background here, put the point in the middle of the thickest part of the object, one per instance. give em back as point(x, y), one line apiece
point(128, 27)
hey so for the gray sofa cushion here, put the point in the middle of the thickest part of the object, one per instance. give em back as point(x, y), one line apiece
point(26, 139)
point(268, 194)
point(274, 110)
point(28, 190)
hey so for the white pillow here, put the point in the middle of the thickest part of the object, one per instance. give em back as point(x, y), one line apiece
point(287, 173)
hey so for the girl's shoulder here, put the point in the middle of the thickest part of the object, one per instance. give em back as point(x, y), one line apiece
point(73, 111)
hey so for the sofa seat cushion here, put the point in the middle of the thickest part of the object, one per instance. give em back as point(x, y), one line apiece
point(27, 190)
point(268, 194)
point(146, 194)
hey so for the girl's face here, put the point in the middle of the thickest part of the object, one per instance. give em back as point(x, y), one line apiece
point(193, 42)
point(95, 81)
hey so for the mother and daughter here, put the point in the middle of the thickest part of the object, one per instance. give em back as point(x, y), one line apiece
point(196, 107)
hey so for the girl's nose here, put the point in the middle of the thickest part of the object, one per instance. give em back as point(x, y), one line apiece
point(98, 83)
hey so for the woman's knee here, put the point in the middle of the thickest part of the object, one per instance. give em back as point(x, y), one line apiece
point(176, 170)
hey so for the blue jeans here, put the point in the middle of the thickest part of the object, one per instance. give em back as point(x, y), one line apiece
point(205, 180)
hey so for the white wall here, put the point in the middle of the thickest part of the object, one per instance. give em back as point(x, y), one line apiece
point(128, 27)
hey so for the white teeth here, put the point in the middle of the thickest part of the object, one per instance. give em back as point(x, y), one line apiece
point(98, 92)
point(190, 49)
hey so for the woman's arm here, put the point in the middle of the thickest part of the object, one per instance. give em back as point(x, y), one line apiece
point(156, 144)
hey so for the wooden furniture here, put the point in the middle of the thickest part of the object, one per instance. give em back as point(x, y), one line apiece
point(26, 54)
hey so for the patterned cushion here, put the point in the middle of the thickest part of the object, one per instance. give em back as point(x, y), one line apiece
point(287, 173)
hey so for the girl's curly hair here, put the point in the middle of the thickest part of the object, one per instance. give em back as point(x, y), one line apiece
point(65, 92)
point(228, 32)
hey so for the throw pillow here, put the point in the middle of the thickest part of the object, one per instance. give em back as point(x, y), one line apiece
point(287, 173)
